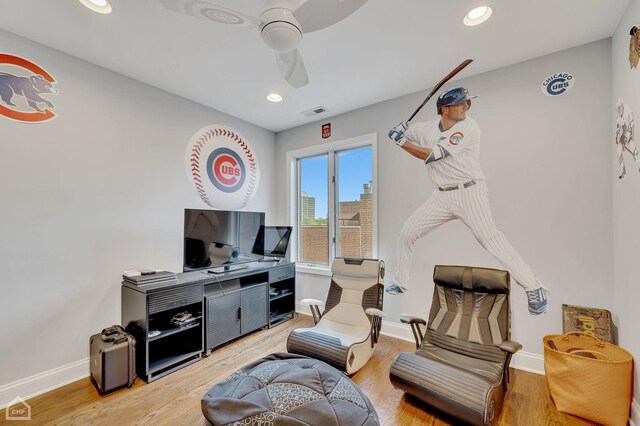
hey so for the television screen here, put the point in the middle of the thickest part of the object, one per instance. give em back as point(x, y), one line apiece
point(215, 238)
point(272, 241)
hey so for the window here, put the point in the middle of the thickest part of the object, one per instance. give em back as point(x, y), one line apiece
point(333, 201)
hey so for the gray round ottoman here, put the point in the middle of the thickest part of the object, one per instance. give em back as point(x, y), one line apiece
point(287, 389)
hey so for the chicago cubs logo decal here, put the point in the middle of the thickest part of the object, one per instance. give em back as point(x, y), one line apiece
point(222, 167)
point(557, 84)
point(226, 170)
point(456, 138)
point(22, 87)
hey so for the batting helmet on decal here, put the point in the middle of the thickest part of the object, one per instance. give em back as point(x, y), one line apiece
point(454, 96)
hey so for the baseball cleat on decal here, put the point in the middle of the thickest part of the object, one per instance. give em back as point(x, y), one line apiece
point(538, 300)
point(395, 289)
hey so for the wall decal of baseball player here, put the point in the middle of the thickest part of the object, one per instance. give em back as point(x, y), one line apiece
point(450, 148)
point(625, 140)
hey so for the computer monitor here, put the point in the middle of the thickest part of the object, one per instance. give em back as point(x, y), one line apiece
point(272, 241)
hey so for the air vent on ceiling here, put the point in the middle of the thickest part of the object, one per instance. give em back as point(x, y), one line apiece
point(314, 111)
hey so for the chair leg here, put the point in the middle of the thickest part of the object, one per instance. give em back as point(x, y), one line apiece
point(417, 334)
point(315, 311)
point(376, 325)
point(506, 372)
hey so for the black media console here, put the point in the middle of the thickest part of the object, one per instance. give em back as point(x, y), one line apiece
point(225, 306)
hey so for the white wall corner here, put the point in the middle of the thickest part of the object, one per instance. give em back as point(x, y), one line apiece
point(44, 382)
point(634, 420)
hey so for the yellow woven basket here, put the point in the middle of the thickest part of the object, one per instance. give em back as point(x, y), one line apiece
point(588, 377)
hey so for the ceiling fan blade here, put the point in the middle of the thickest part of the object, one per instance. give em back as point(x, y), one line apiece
point(213, 12)
point(315, 15)
point(292, 68)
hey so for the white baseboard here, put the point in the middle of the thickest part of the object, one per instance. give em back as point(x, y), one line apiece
point(634, 420)
point(43, 382)
point(528, 361)
point(399, 331)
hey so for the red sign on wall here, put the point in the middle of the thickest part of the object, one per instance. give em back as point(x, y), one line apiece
point(326, 131)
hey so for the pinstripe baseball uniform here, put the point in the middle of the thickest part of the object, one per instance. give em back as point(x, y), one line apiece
point(461, 194)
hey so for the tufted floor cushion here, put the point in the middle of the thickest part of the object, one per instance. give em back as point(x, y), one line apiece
point(288, 389)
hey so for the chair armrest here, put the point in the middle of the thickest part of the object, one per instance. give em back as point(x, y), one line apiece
point(311, 302)
point(510, 346)
point(408, 319)
point(415, 323)
point(375, 312)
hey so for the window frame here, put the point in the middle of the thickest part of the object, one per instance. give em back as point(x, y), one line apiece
point(293, 195)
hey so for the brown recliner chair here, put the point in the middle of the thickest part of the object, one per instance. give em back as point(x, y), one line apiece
point(461, 365)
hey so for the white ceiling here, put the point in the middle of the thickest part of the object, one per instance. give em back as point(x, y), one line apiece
point(384, 50)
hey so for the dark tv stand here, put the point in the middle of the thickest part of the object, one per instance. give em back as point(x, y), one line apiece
point(226, 305)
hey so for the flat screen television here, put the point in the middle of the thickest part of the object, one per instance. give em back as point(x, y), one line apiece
point(272, 241)
point(218, 239)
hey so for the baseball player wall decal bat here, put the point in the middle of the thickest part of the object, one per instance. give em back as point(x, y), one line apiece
point(397, 133)
point(442, 82)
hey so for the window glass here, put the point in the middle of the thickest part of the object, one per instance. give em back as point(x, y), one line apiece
point(354, 210)
point(313, 208)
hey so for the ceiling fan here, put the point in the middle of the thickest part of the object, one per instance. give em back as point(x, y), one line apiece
point(280, 25)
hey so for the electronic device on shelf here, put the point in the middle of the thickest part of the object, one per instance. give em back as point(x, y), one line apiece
point(183, 319)
point(272, 242)
point(219, 239)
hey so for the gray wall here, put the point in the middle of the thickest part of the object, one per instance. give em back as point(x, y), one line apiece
point(548, 168)
point(98, 190)
point(626, 194)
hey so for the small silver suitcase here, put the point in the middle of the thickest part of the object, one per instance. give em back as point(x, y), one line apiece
point(112, 358)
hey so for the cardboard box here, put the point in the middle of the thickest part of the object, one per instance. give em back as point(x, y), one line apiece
point(594, 321)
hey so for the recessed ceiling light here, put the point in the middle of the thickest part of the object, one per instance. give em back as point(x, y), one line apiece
point(274, 97)
point(100, 6)
point(477, 16)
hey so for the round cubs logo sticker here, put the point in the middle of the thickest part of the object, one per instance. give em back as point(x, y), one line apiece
point(24, 88)
point(456, 138)
point(226, 170)
point(222, 167)
point(557, 84)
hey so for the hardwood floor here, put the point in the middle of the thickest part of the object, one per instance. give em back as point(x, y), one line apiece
point(175, 399)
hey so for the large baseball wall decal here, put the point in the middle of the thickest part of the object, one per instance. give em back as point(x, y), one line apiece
point(223, 167)
point(22, 87)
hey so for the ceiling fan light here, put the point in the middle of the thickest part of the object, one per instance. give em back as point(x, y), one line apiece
point(99, 6)
point(281, 36)
point(274, 97)
point(477, 16)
